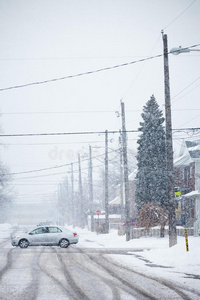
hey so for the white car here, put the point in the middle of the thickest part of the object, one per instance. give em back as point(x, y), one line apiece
point(46, 236)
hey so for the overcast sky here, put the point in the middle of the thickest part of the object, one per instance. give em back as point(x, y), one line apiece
point(47, 39)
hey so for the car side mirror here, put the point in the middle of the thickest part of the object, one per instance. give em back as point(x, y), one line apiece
point(30, 233)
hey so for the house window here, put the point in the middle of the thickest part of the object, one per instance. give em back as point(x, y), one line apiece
point(191, 172)
point(187, 176)
point(183, 173)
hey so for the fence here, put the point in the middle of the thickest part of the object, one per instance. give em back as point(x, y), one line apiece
point(136, 233)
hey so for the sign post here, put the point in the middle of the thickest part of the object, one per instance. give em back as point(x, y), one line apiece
point(186, 240)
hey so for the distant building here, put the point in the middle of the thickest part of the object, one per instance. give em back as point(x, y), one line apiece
point(32, 213)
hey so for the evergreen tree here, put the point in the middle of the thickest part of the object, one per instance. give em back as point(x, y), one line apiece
point(151, 157)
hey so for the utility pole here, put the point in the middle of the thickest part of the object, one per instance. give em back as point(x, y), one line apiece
point(126, 181)
point(81, 194)
point(106, 184)
point(121, 178)
point(72, 195)
point(169, 149)
point(67, 201)
point(91, 189)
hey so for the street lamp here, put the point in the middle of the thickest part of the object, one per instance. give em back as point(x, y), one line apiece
point(169, 145)
point(169, 149)
point(177, 51)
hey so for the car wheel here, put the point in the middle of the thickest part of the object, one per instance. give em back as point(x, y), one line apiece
point(23, 243)
point(64, 243)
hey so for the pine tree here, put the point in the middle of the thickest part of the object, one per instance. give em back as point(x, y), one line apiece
point(151, 176)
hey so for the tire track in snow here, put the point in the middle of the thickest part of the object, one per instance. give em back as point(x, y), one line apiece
point(113, 281)
point(29, 292)
point(65, 289)
point(8, 263)
point(172, 286)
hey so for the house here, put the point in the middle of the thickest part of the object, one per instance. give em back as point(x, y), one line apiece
point(115, 205)
point(187, 180)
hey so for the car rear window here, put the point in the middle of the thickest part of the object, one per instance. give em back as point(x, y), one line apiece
point(54, 229)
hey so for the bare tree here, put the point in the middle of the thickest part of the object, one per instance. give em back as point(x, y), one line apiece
point(5, 193)
point(152, 214)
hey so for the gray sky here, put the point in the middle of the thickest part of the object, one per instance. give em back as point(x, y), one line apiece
point(43, 40)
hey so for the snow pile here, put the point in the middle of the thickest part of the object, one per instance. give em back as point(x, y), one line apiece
point(5, 226)
point(177, 256)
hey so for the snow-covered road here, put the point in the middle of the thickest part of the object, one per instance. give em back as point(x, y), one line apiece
point(88, 270)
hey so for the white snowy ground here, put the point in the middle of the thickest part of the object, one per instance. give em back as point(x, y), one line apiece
point(177, 264)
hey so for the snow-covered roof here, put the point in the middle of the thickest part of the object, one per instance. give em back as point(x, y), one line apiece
point(183, 160)
point(132, 176)
point(193, 193)
point(189, 152)
point(116, 200)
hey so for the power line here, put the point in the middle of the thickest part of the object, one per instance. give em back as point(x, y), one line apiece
point(78, 133)
point(54, 167)
point(185, 89)
point(89, 111)
point(138, 74)
point(57, 112)
point(53, 143)
point(180, 14)
point(68, 58)
point(191, 119)
point(61, 133)
point(88, 72)
point(64, 112)
point(81, 74)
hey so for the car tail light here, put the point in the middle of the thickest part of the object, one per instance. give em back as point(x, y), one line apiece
point(74, 233)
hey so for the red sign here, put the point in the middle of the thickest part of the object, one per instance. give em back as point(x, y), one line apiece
point(98, 212)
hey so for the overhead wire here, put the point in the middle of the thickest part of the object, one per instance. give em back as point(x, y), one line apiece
point(174, 101)
point(141, 69)
point(57, 112)
point(55, 167)
point(86, 73)
point(86, 159)
point(82, 112)
point(76, 133)
point(180, 14)
point(62, 133)
point(80, 74)
point(190, 120)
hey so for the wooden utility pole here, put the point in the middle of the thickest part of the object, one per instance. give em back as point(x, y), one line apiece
point(81, 195)
point(91, 189)
point(106, 184)
point(121, 178)
point(72, 195)
point(126, 180)
point(169, 150)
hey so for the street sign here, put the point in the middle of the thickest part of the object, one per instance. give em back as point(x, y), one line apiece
point(98, 212)
point(177, 193)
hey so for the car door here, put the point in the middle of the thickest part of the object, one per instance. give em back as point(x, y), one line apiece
point(54, 235)
point(38, 236)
